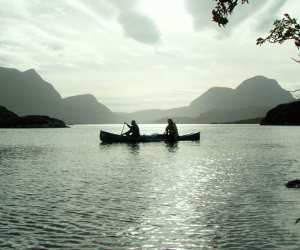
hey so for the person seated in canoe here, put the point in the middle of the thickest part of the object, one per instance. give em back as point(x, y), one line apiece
point(134, 130)
point(171, 130)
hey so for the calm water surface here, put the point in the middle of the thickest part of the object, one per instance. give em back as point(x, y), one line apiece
point(62, 189)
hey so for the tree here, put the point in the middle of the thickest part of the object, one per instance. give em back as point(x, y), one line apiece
point(223, 9)
point(284, 29)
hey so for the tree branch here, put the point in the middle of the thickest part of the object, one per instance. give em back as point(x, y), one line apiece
point(223, 9)
point(284, 29)
point(293, 91)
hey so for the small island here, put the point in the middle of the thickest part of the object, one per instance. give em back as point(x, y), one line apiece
point(9, 119)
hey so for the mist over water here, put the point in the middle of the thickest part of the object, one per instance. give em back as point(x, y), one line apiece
point(61, 188)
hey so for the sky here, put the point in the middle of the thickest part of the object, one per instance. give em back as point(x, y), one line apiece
point(144, 54)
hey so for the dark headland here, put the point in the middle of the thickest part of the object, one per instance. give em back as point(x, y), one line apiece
point(284, 114)
point(9, 119)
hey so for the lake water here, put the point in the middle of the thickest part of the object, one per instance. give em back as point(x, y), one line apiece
point(62, 189)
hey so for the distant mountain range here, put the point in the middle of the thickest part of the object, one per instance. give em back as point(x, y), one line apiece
point(251, 99)
point(26, 93)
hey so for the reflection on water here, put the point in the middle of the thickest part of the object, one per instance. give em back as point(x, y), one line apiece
point(172, 146)
point(131, 147)
point(62, 189)
point(134, 148)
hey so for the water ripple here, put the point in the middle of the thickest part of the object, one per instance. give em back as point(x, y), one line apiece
point(63, 190)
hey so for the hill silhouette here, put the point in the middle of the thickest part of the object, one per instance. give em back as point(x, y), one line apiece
point(251, 99)
point(257, 91)
point(26, 93)
point(86, 109)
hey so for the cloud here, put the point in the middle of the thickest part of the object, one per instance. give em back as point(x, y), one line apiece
point(54, 46)
point(201, 13)
point(135, 24)
point(5, 60)
point(202, 17)
point(266, 20)
point(124, 5)
point(101, 7)
point(139, 27)
point(94, 46)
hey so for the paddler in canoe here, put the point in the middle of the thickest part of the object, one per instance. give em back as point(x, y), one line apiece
point(171, 131)
point(133, 135)
point(134, 129)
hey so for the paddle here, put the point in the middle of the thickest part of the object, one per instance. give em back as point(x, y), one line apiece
point(123, 128)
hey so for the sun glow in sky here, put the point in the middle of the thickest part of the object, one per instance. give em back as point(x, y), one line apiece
point(138, 54)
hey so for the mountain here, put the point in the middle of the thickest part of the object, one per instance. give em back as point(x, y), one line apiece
point(26, 93)
point(242, 115)
point(86, 109)
point(251, 99)
point(284, 114)
point(214, 98)
point(153, 115)
point(232, 115)
point(257, 91)
point(247, 121)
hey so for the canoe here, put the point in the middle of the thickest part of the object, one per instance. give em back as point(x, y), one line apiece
point(107, 137)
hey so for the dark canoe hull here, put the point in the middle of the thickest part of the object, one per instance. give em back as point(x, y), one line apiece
point(107, 137)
